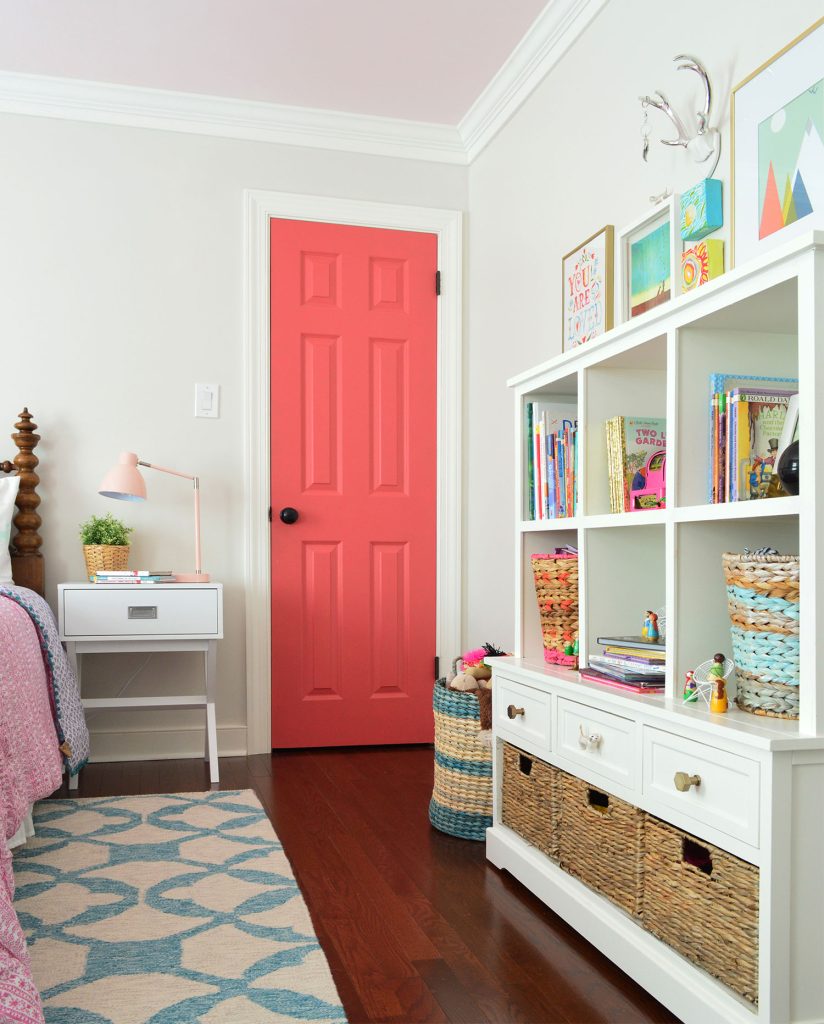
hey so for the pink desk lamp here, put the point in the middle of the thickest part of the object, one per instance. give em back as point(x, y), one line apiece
point(125, 482)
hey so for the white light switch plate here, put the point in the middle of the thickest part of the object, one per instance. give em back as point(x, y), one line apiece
point(207, 400)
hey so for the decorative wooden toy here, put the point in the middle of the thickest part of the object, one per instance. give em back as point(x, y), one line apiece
point(711, 682)
point(690, 688)
point(650, 630)
point(649, 485)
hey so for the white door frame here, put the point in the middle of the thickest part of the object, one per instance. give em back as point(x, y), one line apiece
point(260, 207)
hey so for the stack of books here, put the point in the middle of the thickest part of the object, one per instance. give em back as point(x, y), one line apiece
point(552, 459)
point(630, 662)
point(752, 420)
point(632, 441)
point(134, 577)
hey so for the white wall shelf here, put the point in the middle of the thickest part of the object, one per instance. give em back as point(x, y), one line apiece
point(765, 318)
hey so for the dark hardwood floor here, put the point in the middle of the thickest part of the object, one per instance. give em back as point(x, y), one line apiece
point(415, 924)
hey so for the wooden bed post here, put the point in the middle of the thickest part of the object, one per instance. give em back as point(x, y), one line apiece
point(27, 563)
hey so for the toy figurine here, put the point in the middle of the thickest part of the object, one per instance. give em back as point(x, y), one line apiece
point(650, 630)
point(690, 688)
point(715, 674)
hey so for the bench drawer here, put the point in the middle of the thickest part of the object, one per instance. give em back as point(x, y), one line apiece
point(599, 741)
point(522, 711)
point(723, 788)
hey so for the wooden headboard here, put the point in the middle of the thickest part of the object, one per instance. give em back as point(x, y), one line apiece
point(27, 565)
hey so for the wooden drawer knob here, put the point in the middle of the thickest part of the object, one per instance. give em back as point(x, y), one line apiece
point(513, 712)
point(683, 781)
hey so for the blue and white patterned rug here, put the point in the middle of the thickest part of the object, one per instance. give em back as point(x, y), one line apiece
point(168, 910)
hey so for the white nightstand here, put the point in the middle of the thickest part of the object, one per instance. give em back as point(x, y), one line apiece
point(98, 619)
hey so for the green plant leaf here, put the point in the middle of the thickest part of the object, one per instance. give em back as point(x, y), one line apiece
point(105, 530)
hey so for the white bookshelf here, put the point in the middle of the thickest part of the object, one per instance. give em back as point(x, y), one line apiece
point(765, 318)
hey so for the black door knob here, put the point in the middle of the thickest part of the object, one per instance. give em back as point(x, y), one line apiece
point(289, 515)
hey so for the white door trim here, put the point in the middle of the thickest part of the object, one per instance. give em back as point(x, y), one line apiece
point(260, 207)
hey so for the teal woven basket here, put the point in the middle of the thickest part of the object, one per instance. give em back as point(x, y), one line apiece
point(461, 803)
point(763, 599)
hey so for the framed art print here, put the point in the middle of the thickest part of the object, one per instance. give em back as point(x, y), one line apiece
point(587, 275)
point(777, 120)
point(649, 255)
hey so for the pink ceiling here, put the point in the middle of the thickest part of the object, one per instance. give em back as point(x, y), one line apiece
point(427, 60)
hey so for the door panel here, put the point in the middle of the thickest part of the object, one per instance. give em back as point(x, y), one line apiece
point(354, 450)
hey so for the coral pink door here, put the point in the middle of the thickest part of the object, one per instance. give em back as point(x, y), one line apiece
point(354, 453)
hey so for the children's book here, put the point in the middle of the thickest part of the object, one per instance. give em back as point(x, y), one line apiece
point(639, 644)
point(631, 440)
point(759, 416)
point(719, 438)
point(550, 471)
point(594, 676)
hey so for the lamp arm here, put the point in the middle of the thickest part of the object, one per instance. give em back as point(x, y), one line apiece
point(196, 481)
point(164, 469)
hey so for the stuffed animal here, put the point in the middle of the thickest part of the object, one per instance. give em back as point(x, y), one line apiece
point(475, 675)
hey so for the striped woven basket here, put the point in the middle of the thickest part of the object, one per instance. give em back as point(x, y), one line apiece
point(762, 594)
point(461, 803)
point(556, 587)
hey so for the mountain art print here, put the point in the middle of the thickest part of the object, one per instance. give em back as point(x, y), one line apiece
point(791, 161)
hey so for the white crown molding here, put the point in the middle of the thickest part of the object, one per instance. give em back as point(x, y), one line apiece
point(548, 39)
point(102, 103)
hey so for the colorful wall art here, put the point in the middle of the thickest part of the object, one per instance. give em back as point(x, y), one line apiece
point(650, 269)
point(777, 122)
point(587, 274)
point(701, 263)
point(791, 161)
point(701, 210)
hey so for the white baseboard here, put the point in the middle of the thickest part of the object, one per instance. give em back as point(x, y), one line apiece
point(163, 744)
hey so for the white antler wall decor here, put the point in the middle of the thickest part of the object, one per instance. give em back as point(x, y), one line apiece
point(704, 145)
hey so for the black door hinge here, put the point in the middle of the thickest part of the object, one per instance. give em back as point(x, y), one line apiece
point(270, 513)
point(437, 282)
point(437, 667)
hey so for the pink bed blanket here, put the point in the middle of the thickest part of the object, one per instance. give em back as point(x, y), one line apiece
point(31, 768)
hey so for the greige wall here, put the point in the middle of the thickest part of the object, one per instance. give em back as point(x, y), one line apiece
point(565, 165)
point(121, 260)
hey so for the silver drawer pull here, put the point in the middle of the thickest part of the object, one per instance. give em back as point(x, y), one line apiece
point(589, 741)
point(142, 611)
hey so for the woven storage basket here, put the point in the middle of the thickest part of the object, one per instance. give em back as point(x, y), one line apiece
point(529, 799)
point(105, 557)
point(762, 594)
point(461, 801)
point(556, 587)
point(704, 903)
point(601, 842)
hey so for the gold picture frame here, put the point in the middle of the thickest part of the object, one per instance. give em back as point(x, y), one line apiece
point(735, 150)
point(585, 316)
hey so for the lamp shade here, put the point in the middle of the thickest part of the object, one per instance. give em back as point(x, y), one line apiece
point(124, 481)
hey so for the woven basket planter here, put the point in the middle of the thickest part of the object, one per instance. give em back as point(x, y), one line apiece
point(762, 594)
point(601, 842)
point(703, 902)
point(556, 588)
point(105, 557)
point(461, 803)
point(529, 799)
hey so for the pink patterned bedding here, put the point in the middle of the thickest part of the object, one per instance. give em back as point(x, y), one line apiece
point(30, 769)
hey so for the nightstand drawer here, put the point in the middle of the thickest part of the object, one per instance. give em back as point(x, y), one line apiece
point(140, 611)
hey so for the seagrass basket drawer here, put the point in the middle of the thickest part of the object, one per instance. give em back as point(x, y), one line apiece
point(529, 799)
point(601, 841)
point(703, 902)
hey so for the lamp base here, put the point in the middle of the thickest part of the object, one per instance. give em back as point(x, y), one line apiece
point(192, 577)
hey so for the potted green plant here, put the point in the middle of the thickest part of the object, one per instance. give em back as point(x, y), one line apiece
point(105, 543)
